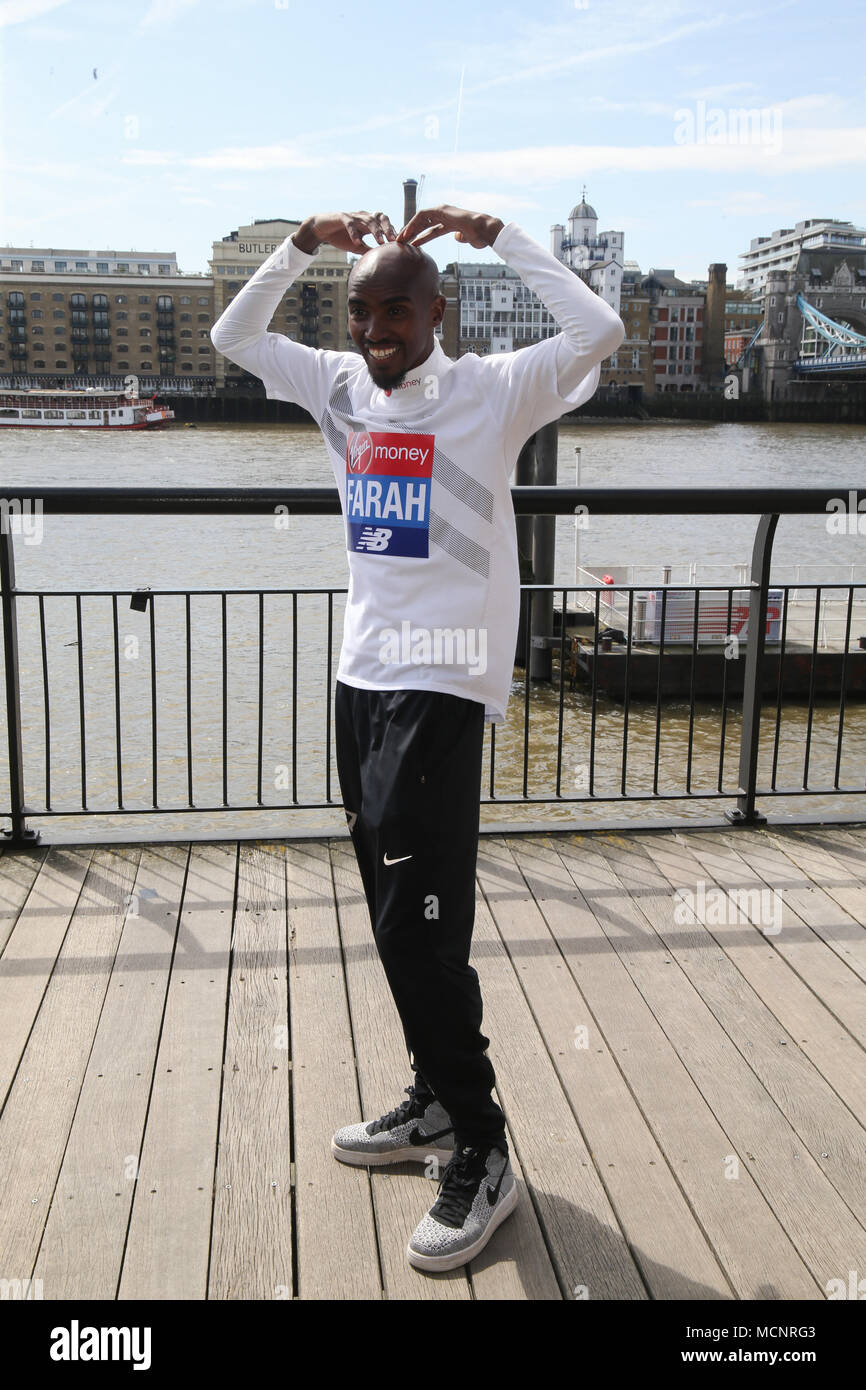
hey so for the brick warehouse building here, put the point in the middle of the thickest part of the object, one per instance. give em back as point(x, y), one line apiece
point(66, 314)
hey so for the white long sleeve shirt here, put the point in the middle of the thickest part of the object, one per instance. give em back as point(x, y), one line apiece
point(423, 472)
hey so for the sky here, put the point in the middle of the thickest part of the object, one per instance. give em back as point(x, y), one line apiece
point(165, 124)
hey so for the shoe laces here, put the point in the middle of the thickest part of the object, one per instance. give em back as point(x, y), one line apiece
point(407, 1110)
point(458, 1186)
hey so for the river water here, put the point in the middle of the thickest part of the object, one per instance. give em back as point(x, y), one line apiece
point(165, 553)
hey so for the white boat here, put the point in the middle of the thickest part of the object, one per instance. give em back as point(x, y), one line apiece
point(92, 408)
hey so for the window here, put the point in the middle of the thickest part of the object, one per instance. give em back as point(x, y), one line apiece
point(121, 316)
point(143, 268)
point(122, 332)
point(203, 299)
point(203, 318)
point(165, 270)
point(39, 362)
point(144, 299)
point(36, 313)
point(38, 330)
point(185, 318)
point(122, 366)
point(147, 366)
point(144, 318)
point(100, 317)
point(185, 299)
point(163, 301)
point(144, 332)
point(122, 268)
point(78, 301)
point(81, 265)
point(59, 332)
point(100, 301)
point(186, 332)
point(221, 270)
point(120, 299)
point(61, 362)
point(60, 266)
point(35, 297)
point(60, 314)
point(102, 267)
point(203, 349)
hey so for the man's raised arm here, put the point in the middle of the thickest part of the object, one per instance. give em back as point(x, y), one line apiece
point(290, 371)
point(538, 383)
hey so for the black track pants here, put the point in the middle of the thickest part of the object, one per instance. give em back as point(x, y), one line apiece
point(409, 765)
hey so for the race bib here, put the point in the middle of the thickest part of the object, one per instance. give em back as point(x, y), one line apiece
point(388, 481)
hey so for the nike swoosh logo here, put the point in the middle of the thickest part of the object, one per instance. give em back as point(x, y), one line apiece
point(493, 1192)
point(389, 862)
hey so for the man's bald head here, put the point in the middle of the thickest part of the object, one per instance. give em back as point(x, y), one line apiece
point(395, 306)
point(395, 265)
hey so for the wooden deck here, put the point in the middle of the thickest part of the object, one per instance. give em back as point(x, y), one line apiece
point(686, 1101)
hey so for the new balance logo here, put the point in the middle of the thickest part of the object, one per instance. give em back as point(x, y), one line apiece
point(371, 539)
point(389, 862)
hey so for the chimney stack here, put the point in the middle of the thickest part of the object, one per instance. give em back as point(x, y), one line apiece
point(410, 193)
point(713, 354)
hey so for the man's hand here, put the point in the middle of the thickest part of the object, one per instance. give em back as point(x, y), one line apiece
point(475, 228)
point(344, 230)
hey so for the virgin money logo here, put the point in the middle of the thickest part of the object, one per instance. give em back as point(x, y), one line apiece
point(359, 452)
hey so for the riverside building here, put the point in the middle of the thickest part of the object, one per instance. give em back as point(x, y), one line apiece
point(781, 251)
point(66, 313)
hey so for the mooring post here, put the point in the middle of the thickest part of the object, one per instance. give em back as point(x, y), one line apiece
point(18, 834)
point(750, 733)
point(543, 555)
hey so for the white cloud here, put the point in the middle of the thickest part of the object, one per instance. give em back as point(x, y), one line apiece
point(22, 11)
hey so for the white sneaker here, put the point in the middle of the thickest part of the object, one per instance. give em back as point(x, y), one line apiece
point(413, 1132)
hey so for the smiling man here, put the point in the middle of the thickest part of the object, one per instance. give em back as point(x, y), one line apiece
point(422, 448)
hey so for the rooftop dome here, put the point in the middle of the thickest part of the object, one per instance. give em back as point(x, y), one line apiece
point(583, 209)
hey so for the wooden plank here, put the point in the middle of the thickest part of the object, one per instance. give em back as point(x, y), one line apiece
point(603, 943)
point(251, 1250)
point(35, 1124)
point(584, 1237)
point(825, 917)
point(818, 967)
point(35, 938)
point(169, 1231)
point(336, 1237)
point(402, 1193)
point(805, 1203)
point(18, 871)
point(830, 871)
point(81, 1253)
point(828, 1046)
point(832, 1135)
point(673, 1254)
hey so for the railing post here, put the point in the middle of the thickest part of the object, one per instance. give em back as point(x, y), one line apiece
point(18, 834)
point(750, 733)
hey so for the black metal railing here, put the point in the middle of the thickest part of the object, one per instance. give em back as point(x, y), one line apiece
point(648, 710)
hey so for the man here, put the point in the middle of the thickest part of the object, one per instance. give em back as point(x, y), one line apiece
point(422, 448)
